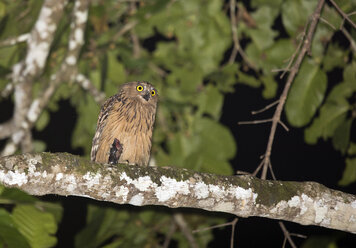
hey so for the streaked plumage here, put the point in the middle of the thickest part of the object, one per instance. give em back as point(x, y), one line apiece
point(125, 125)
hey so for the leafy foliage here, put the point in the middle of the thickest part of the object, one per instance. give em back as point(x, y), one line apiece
point(31, 223)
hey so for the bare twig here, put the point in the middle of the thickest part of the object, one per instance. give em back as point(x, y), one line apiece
point(237, 47)
point(254, 122)
point(178, 218)
point(169, 235)
point(293, 71)
point(344, 15)
point(85, 83)
point(233, 224)
point(265, 108)
point(14, 40)
point(127, 27)
point(135, 42)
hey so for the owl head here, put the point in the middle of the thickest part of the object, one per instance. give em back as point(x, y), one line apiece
point(141, 91)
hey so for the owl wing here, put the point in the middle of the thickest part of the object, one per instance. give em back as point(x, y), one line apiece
point(102, 120)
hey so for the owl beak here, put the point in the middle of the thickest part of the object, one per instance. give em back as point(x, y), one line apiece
point(146, 96)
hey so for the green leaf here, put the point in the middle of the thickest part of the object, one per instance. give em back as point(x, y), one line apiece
point(249, 80)
point(88, 111)
point(102, 224)
point(42, 121)
point(331, 116)
point(306, 94)
point(335, 57)
point(341, 137)
point(320, 241)
point(16, 196)
point(37, 226)
point(210, 101)
point(352, 149)
point(295, 14)
point(270, 87)
point(349, 175)
point(39, 146)
point(9, 234)
point(263, 36)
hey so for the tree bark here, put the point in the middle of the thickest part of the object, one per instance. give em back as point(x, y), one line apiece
point(306, 203)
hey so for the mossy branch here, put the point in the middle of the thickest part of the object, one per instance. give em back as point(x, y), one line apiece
point(307, 203)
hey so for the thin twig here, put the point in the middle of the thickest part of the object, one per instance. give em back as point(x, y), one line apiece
point(283, 125)
point(233, 224)
point(14, 40)
point(287, 234)
point(237, 47)
point(86, 84)
point(344, 15)
point(294, 69)
point(169, 235)
point(178, 218)
point(127, 27)
point(212, 227)
point(254, 122)
point(265, 108)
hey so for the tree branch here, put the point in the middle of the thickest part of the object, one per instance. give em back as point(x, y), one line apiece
point(307, 203)
point(293, 72)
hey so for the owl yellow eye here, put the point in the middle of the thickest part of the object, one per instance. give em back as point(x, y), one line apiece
point(139, 88)
point(153, 92)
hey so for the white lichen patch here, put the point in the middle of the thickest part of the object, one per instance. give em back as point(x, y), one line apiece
point(353, 204)
point(282, 205)
point(141, 183)
point(137, 200)
point(59, 176)
point(78, 36)
point(217, 191)
point(224, 207)
point(92, 179)
point(36, 56)
point(122, 192)
point(71, 60)
point(81, 16)
point(70, 182)
point(170, 187)
point(13, 178)
point(294, 202)
point(201, 190)
point(34, 110)
point(306, 200)
point(243, 194)
point(320, 211)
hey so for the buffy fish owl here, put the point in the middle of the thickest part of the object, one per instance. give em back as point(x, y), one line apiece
point(125, 125)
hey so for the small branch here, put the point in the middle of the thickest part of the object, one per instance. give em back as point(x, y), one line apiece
point(254, 122)
point(293, 72)
point(287, 235)
point(169, 235)
point(344, 15)
point(179, 219)
point(86, 84)
point(127, 27)
point(14, 40)
point(233, 224)
point(265, 108)
point(237, 47)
